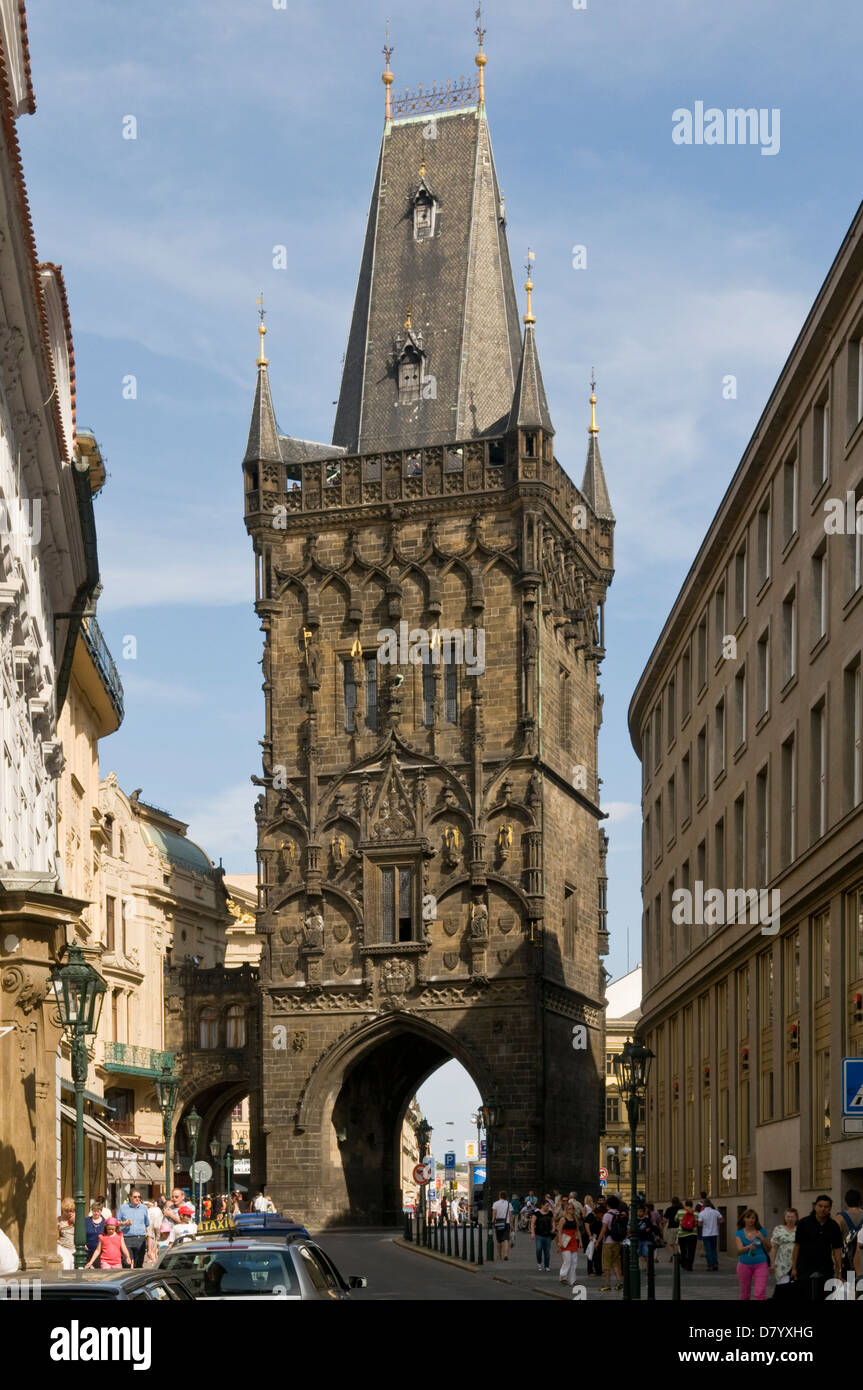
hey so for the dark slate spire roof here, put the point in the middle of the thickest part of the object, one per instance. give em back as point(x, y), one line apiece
point(594, 488)
point(529, 405)
point(457, 286)
point(263, 445)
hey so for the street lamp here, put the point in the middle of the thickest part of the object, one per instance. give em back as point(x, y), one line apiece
point(193, 1130)
point(632, 1067)
point(424, 1130)
point(216, 1153)
point(80, 992)
point(167, 1086)
point(229, 1172)
point(491, 1115)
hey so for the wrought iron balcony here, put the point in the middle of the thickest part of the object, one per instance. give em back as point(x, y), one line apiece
point(98, 649)
point(135, 1060)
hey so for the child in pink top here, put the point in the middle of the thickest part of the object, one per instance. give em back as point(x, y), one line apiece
point(111, 1250)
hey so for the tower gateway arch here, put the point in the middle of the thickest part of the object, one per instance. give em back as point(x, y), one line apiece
point(431, 589)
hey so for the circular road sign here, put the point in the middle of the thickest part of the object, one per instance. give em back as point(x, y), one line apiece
point(603, 1173)
point(201, 1171)
point(421, 1173)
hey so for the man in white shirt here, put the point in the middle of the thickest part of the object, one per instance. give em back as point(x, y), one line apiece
point(261, 1203)
point(500, 1214)
point(708, 1225)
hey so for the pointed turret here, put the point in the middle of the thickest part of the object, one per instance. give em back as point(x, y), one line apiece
point(529, 405)
point(594, 487)
point(263, 445)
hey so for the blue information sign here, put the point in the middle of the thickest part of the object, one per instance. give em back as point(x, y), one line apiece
point(852, 1087)
point(449, 1160)
point(482, 1148)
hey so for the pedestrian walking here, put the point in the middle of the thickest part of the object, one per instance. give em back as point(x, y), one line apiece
point(186, 1226)
point(94, 1226)
point(850, 1222)
point(132, 1219)
point(670, 1229)
point(515, 1204)
point(646, 1235)
point(112, 1249)
point(568, 1243)
point(66, 1233)
point(540, 1229)
point(782, 1251)
point(593, 1249)
point(687, 1234)
point(501, 1213)
point(709, 1221)
point(753, 1262)
point(817, 1254)
point(614, 1232)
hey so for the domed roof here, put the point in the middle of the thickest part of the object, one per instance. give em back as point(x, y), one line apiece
point(177, 849)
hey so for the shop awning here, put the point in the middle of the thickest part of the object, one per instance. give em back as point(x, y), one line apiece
point(128, 1168)
point(97, 1130)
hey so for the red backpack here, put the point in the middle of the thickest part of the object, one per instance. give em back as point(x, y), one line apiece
point(687, 1221)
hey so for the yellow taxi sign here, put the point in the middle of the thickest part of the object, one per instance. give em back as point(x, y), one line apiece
point(212, 1228)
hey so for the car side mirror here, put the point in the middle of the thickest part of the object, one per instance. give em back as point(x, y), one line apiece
point(357, 1281)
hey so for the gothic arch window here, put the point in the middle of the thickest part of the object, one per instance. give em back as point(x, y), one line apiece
point(208, 1028)
point(410, 374)
point(236, 1026)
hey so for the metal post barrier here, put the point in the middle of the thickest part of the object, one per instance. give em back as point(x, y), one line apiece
point(479, 1258)
point(625, 1256)
point(472, 1251)
point(651, 1275)
point(675, 1275)
point(407, 1225)
point(449, 1237)
point(437, 1233)
point(464, 1241)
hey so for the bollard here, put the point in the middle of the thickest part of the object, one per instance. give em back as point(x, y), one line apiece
point(479, 1258)
point(472, 1252)
point(449, 1237)
point(464, 1241)
point(651, 1276)
point(675, 1275)
point(625, 1252)
point(437, 1233)
point(407, 1225)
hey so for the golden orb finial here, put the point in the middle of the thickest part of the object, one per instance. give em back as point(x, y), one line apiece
point(481, 58)
point(593, 427)
point(262, 359)
point(387, 77)
point(529, 316)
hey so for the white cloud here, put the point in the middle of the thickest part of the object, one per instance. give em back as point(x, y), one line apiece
point(618, 811)
point(143, 690)
point(223, 824)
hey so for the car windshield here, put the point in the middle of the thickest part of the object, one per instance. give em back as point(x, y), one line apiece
point(228, 1272)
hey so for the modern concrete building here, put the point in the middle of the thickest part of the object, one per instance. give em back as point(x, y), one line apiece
point(749, 725)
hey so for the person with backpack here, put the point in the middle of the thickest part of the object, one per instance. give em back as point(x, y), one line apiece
point(502, 1214)
point(614, 1233)
point(687, 1234)
point(850, 1224)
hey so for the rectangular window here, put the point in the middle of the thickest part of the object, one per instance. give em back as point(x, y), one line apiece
point(450, 687)
point(719, 739)
point(818, 770)
point(743, 1003)
point(855, 935)
point(719, 852)
point(853, 736)
point(657, 821)
point(110, 920)
point(570, 919)
point(657, 735)
point(701, 765)
point(792, 973)
point(821, 1100)
point(701, 652)
point(718, 620)
point(762, 828)
point(612, 1110)
point(740, 842)
point(788, 807)
point(762, 530)
point(820, 443)
point(671, 801)
point(818, 612)
point(428, 694)
point(609, 1064)
point(648, 846)
point(855, 383)
point(645, 753)
point(657, 932)
point(685, 789)
point(821, 955)
point(740, 585)
point(685, 683)
point(396, 903)
point(740, 708)
point(371, 665)
point(701, 863)
point(789, 499)
point(763, 663)
point(671, 710)
point(564, 729)
point(350, 696)
point(789, 636)
point(124, 902)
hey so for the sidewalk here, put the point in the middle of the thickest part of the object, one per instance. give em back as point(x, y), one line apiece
point(520, 1271)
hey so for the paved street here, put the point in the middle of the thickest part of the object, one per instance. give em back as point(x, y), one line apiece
point(396, 1271)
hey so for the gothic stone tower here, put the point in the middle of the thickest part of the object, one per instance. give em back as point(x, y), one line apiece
point(431, 858)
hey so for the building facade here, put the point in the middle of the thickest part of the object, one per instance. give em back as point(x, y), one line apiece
point(622, 1013)
point(747, 720)
point(431, 590)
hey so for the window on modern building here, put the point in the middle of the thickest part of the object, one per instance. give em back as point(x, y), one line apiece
point(762, 827)
point(743, 1003)
point(645, 753)
point(788, 802)
point(718, 621)
point(820, 443)
point(855, 382)
point(789, 499)
point(740, 584)
point(657, 821)
point(762, 549)
point(854, 546)
point(818, 770)
point(740, 707)
point(684, 875)
point(685, 789)
point(686, 682)
point(657, 932)
point(110, 923)
point(671, 802)
point(208, 1028)
point(852, 761)
point(789, 636)
point(763, 667)
point(671, 710)
point(740, 841)
point(701, 653)
point(719, 739)
point(818, 611)
point(371, 667)
point(701, 863)
point(719, 852)
point(236, 1026)
point(657, 736)
point(397, 904)
point(450, 687)
point(701, 765)
point(855, 935)
point(350, 696)
point(648, 858)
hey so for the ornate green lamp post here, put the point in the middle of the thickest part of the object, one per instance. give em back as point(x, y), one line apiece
point(80, 992)
point(216, 1155)
point(424, 1130)
point(229, 1172)
point(167, 1086)
point(632, 1067)
point(193, 1130)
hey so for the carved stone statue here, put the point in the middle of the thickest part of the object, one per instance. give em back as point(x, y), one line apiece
point(529, 639)
point(313, 930)
point(479, 922)
point(337, 850)
point(314, 662)
point(451, 852)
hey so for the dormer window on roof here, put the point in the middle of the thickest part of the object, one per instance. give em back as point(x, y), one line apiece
point(425, 206)
point(410, 363)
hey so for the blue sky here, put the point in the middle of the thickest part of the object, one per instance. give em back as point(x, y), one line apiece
point(259, 127)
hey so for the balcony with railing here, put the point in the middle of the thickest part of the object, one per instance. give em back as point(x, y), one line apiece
point(104, 662)
point(134, 1060)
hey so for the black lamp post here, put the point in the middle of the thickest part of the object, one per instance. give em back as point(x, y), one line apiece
point(424, 1130)
point(80, 992)
point(632, 1067)
point(229, 1172)
point(167, 1086)
point(216, 1155)
point(193, 1130)
point(491, 1115)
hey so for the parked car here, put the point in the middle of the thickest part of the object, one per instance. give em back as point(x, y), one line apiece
point(157, 1286)
point(264, 1223)
point(238, 1266)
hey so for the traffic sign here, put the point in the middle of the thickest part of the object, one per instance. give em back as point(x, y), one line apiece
point(422, 1174)
point(470, 1150)
point(852, 1086)
point(852, 1126)
point(482, 1148)
point(201, 1171)
point(449, 1160)
point(603, 1182)
point(603, 1175)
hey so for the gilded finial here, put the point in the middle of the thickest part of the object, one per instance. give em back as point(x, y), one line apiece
point(481, 58)
point(387, 77)
point(593, 428)
point(529, 316)
point(423, 168)
point(262, 360)
point(408, 316)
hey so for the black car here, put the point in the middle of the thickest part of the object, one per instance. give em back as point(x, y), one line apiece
point(153, 1285)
